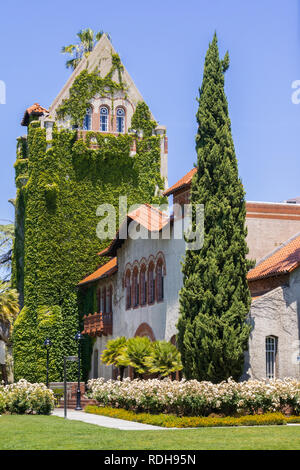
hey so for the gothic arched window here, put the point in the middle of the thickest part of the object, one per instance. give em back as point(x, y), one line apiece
point(87, 122)
point(120, 120)
point(104, 118)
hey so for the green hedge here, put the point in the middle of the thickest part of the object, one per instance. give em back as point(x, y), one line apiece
point(171, 421)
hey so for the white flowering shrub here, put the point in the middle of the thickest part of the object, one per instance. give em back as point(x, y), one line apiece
point(193, 398)
point(24, 397)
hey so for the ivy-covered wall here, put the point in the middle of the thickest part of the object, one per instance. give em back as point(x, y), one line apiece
point(59, 189)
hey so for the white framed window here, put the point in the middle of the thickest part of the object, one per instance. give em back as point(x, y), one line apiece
point(120, 120)
point(104, 119)
point(87, 122)
point(271, 352)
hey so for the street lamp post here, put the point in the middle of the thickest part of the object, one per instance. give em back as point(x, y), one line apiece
point(78, 338)
point(47, 344)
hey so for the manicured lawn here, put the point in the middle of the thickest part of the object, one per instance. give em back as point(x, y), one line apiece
point(51, 432)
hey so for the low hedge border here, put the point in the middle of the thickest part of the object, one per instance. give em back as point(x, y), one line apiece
point(171, 421)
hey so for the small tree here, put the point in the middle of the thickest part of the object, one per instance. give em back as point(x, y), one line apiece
point(9, 309)
point(164, 359)
point(135, 354)
point(87, 42)
point(111, 355)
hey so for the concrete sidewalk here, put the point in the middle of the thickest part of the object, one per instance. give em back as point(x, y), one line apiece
point(105, 421)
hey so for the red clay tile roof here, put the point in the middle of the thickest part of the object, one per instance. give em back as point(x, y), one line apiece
point(148, 216)
point(36, 110)
point(104, 271)
point(281, 261)
point(184, 181)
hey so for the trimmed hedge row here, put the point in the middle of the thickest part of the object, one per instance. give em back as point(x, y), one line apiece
point(171, 421)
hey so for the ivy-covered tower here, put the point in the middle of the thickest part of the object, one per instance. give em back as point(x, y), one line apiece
point(98, 141)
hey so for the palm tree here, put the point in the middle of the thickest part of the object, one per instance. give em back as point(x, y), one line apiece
point(7, 233)
point(164, 359)
point(9, 309)
point(135, 354)
point(88, 40)
point(114, 349)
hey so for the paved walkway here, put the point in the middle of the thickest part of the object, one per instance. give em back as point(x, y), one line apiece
point(105, 421)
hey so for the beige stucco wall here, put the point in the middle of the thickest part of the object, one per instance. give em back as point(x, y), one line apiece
point(266, 234)
point(276, 314)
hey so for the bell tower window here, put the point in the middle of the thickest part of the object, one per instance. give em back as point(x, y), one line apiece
point(103, 119)
point(120, 120)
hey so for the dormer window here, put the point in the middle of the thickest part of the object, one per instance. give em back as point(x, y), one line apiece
point(104, 119)
point(120, 120)
point(87, 122)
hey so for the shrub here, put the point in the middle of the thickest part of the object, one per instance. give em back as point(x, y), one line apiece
point(193, 398)
point(24, 397)
point(170, 421)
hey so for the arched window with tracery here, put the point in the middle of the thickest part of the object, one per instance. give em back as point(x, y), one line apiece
point(151, 284)
point(87, 122)
point(159, 281)
point(143, 285)
point(104, 114)
point(120, 120)
point(128, 289)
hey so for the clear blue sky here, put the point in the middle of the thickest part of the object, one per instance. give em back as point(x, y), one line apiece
point(163, 44)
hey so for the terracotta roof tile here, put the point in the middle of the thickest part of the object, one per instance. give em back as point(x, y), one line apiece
point(104, 271)
point(283, 260)
point(35, 109)
point(184, 181)
point(148, 216)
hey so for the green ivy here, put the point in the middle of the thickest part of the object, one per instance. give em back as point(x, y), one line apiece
point(141, 120)
point(56, 243)
point(85, 87)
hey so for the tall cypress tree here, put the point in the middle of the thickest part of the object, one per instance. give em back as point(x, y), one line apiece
point(214, 299)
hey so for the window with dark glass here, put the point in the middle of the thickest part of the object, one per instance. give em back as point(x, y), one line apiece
point(128, 290)
point(103, 119)
point(120, 120)
point(104, 300)
point(87, 122)
point(135, 288)
point(143, 285)
point(151, 284)
point(159, 281)
point(271, 352)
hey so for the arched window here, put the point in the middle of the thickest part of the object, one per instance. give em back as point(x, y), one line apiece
point(120, 120)
point(271, 354)
point(87, 122)
point(108, 302)
point(159, 281)
point(110, 298)
point(143, 285)
point(128, 290)
point(135, 288)
point(104, 300)
point(104, 119)
point(151, 284)
point(99, 300)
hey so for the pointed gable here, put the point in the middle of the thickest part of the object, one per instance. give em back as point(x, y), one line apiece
point(101, 58)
